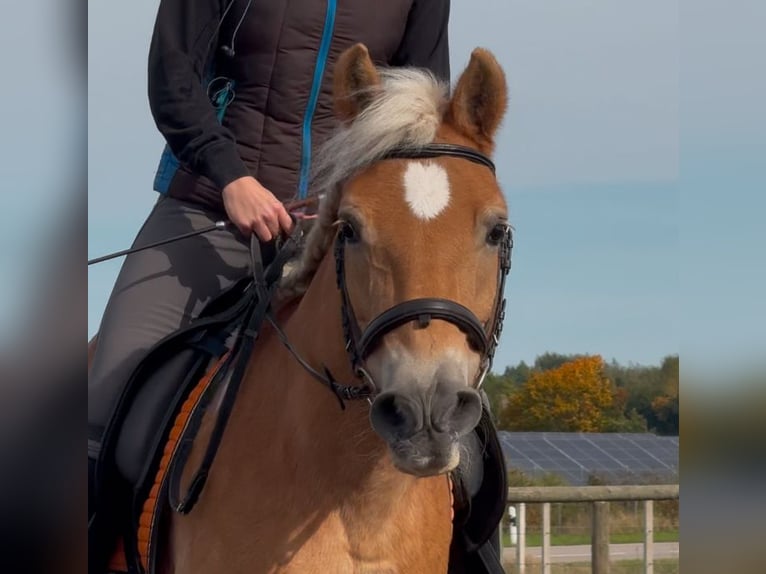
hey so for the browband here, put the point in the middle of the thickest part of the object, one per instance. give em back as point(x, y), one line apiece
point(439, 149)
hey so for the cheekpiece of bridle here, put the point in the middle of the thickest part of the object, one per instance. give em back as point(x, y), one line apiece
point(482, 336)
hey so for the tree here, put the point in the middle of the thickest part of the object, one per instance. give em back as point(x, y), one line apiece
point(641, 384)
point(518, 375)
point(665, 406)
point(618, 418)
point(643, 398)
point(625, 422)
point(548, 361)
point(498, 388)
point(571, 397)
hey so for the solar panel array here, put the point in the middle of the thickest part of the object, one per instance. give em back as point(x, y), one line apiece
point(585, 458)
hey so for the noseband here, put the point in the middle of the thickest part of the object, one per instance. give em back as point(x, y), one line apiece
point(482, 337)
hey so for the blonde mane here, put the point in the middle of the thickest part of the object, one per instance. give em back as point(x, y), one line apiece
point(404, 112)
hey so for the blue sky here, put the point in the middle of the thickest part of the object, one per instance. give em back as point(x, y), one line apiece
point(723, 191)
point(588, 158)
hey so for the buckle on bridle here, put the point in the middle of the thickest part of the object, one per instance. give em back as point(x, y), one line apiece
point(483, 375)
point(362, 373)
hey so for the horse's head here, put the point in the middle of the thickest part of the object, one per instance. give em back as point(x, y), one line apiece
point(421, 238)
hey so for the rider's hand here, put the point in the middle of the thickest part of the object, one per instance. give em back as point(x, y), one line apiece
point(254, 209)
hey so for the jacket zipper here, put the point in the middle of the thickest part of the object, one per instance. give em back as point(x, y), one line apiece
point(324, 50)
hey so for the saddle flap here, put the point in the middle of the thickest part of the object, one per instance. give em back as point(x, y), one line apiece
point(131, 443)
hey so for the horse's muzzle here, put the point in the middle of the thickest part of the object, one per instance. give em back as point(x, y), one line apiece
point(423, 429)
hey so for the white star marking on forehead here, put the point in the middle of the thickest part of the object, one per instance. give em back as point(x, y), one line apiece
point(426, 189)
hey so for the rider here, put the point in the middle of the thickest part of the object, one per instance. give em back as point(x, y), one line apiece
point(242, 93)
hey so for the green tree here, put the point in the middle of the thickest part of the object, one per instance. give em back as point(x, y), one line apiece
point(641, 385)
point(665, 406)
point(519, 374)
point(630, 422)
point(499, 388)
point(618, 418)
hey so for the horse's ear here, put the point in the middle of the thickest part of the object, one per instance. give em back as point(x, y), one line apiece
point(354, 82)
point(480, 99)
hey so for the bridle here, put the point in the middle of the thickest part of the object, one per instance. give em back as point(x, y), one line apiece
point(482, 337)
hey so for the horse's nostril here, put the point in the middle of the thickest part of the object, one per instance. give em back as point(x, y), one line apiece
point(457, 412)
point(395, 416)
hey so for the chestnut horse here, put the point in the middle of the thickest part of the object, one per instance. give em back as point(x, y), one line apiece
point(413, 233)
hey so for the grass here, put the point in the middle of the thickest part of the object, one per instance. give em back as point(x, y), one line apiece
point(663, 566)
point(536, 539)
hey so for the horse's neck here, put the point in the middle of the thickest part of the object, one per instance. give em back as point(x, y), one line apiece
point(316, 330)
point(338, 444)
point(298, 477)
point(376, 502)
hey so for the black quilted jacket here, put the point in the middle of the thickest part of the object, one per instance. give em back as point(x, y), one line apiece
point(243, 87)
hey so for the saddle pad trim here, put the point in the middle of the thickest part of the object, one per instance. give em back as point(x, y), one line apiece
point(118, 563)
point(150, 513)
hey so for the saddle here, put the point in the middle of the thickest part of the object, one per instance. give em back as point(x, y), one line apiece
point(131, 447)
point(133, 441)
point(136, 478)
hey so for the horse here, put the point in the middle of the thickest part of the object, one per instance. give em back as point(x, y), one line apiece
point(399, 291)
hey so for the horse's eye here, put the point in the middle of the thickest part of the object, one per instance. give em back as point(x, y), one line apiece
point(348, 232)
point(497, 234)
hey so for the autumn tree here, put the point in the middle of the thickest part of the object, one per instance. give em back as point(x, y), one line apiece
point(574, 396)
point(549, 361)
point(644, 398)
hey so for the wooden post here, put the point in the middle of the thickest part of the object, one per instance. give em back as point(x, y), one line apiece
point(600, 537)
point(521, 547)
point(649, 536)
point(546, 538)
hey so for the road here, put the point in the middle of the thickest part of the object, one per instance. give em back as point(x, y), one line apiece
point(581, 553)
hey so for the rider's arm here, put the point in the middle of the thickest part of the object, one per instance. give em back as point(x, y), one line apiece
point(185, 36)
point(425, 43)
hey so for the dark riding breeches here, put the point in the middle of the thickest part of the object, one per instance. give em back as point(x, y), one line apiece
point(157, 292)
